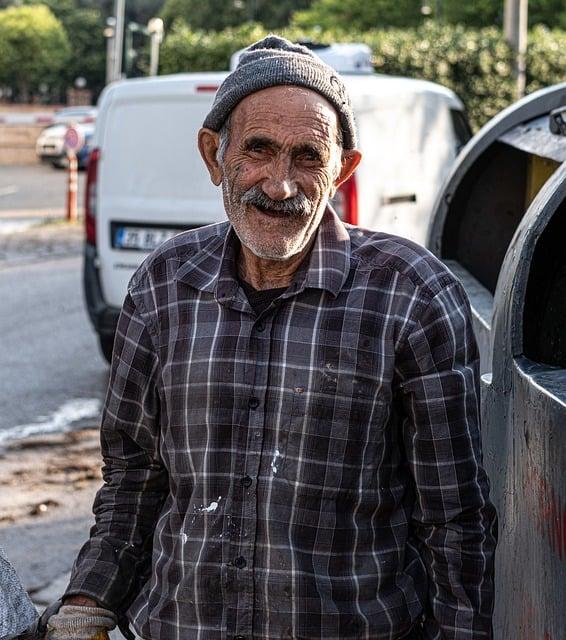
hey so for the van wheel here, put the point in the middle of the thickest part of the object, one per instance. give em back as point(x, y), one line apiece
point(106, 343)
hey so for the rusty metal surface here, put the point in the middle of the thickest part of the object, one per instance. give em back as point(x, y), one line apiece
point(524, 434)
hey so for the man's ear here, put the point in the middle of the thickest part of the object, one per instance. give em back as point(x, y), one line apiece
point(350, 160)
point(208, 142)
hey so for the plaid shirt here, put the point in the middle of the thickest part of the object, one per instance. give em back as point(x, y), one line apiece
point(314, 472)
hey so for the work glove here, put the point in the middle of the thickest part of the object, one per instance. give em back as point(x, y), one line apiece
point(74, 622)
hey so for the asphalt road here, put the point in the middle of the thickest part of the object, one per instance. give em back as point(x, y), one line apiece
point(35, 187)
point(52, 376)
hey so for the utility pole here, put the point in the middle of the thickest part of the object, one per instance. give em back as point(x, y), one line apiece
point(119, 12)
point(155, 28)
point(109, 33)
point(515, 24)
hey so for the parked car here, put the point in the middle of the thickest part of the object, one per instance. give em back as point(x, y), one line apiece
point(146, 180)
point(50, 146)
point(70, 115)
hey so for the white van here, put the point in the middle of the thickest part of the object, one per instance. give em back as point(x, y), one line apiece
point(146, 180)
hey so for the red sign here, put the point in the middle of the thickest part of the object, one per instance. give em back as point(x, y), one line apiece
point(74, 139)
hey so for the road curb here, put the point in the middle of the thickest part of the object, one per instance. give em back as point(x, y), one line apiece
point(33, 213)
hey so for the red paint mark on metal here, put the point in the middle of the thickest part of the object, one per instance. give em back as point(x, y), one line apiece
point(207, 88)
point(550, 514)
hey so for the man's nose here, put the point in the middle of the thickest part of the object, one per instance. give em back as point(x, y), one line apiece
point(280, 185)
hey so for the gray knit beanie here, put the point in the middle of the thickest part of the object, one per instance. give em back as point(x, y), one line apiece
point(276, 61)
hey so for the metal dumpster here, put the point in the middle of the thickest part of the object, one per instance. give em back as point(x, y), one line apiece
point(501, 227)
point(495, 178)
point(524, 422)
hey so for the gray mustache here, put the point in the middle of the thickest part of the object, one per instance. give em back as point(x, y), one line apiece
point(298, 205)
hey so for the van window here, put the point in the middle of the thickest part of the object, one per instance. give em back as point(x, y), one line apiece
point(462, 131)
point(544, 324)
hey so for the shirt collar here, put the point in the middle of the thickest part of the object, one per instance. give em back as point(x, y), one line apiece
point(213, 268)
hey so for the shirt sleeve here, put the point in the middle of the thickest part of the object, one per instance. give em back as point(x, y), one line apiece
point(135, 482)
point(453, 519)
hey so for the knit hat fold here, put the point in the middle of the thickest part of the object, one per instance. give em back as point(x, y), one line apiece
point(275, 61)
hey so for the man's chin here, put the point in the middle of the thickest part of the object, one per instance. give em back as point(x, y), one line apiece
point(271, 251)
point(271, 254)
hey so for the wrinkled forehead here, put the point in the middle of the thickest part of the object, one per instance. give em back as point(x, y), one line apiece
point(288, 110)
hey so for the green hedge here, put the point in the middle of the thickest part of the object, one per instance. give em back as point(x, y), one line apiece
point(476, 64)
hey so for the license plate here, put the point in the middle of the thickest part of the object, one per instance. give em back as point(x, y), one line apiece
point(142, 238)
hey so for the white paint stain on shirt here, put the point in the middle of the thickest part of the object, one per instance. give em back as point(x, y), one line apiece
point(276, 456)
point(202, 509)
point(211, 507)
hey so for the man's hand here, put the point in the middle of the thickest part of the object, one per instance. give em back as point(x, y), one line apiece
point(81, 601)
point(80, 621)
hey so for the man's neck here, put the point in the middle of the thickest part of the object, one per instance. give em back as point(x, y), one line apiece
point(262, 273)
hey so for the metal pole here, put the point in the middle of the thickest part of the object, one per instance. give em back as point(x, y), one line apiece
point(515, 24)
point(72, 187)
point(119, 12)
point(511, 22)
point(129, 48)
point(109, 33)
point(522, 48)
point(109, 58)
point(154, 55)
point(155, 29)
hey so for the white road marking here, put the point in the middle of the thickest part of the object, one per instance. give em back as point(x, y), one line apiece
point(59, 421)
point(9, 190)
point(15, 226)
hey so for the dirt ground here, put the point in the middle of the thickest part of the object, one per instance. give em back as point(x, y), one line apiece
point(43, 475)
point(46, 476)
point(51, 239)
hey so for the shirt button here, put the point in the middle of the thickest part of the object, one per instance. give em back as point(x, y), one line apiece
point(253, 403)
point(240, 562)
point(246, 481)
point(239, 637)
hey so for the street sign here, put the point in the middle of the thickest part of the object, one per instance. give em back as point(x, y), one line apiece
point(74, 139)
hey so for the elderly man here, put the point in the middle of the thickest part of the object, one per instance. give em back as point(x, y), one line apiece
point(290, 435)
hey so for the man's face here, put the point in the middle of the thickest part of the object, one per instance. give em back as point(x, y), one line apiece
point(279, 169)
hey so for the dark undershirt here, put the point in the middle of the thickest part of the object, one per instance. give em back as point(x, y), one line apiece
point(260, 299)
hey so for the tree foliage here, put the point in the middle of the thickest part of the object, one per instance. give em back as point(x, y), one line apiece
point(476, 63)
point(136, 10)
point(84, 23)
point(219, 14)
point(479, 13)
point(85, 28)
point(34, 49)
point(360, 14)
point(371, 14)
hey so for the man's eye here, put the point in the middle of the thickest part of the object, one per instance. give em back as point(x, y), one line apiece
point(309, 158)
point(257, 148)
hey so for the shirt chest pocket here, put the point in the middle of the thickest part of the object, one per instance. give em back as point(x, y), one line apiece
point(334, 438)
